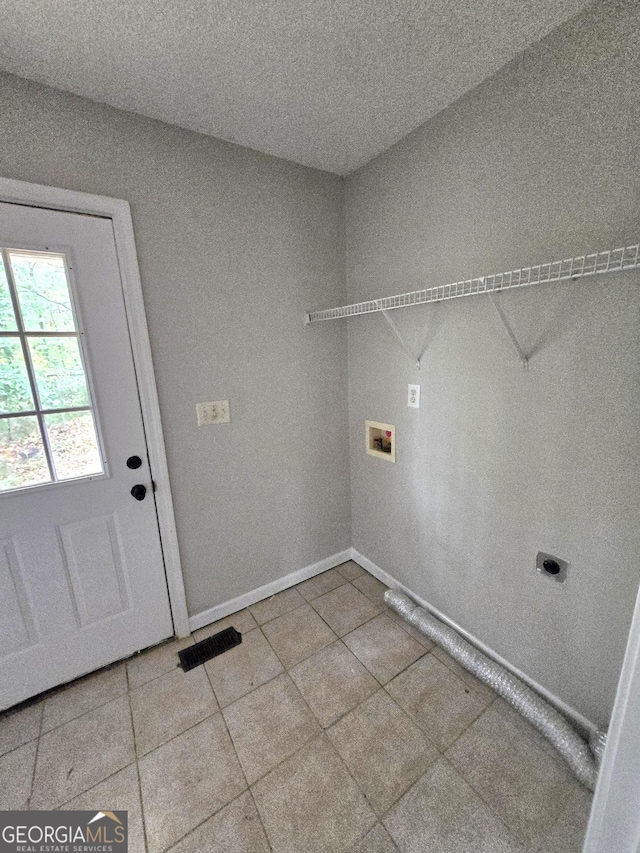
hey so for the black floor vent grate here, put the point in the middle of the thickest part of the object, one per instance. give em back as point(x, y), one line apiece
point(206, 649)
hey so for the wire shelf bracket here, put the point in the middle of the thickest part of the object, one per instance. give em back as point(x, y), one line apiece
point(570, 269)
point(523, 358)
point(415, 357)
point(400, 339)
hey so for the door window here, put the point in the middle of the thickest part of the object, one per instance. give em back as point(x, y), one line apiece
point(47, 422)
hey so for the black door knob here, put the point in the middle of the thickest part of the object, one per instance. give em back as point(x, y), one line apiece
point(134, 462)
point(139, 491)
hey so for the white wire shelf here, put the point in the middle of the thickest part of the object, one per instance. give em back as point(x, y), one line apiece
point(596, 263)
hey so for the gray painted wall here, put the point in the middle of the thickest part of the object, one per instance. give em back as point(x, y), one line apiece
point(234, 247)
point(538, 163)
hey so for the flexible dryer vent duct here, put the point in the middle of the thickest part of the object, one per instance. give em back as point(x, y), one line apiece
point(533, 708)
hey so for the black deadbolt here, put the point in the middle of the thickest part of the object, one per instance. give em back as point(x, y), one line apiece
point(139, 491)
point(551, 567)
point(134, 462)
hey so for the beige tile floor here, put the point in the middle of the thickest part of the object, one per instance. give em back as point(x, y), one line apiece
point(334, 726)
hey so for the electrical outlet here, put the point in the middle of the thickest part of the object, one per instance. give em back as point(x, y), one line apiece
point(413, 400)
point(213, 412)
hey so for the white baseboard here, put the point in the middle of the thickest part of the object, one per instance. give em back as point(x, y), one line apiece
point(200, 620)
point(576, 717)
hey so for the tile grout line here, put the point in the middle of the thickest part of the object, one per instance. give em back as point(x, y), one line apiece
point(177, 735)
point(522, 841)
point(306, 704)
point(456, 676)
point(479, 793)
point(207, 716)
point(202, 822)
point(248, 788)
point(350, 583)
point(218, 710)
point(226, 728)
point(563, 811)
point(327, 591)
point(35, 758)
point(217, 811)
point(404, 669)
point(282, 663)
point(356, 783)
point(440, 755)
point(16, 748)
point(268, 681)
point(131, 688)
point(95, 785)
point(286, 613)
point(317, 736)
point(145, 839)
point(467, 726)
point(361, 838)
point(176, 640)
point(443, 758)
point(338, 639)
point(344, 713)
point(85, 713)
point(111, 775)
point(309, 602)
point(135, 761)
point(511, 832)
point(473, 722)
point(264, 828)
point(307, 741)
point(411, 720)
point(137, 757)
point(253, 689)
point(351, 630)
point(273, 618)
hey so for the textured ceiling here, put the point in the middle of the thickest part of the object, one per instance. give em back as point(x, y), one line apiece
point(326, 83)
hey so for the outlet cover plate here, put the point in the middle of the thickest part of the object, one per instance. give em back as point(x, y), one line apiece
point(413, 396)
point(213, 412)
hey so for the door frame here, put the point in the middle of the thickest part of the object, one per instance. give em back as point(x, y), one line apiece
point(614, 823)
point(119, 212)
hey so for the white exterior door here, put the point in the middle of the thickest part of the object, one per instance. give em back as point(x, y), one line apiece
point(82, 579)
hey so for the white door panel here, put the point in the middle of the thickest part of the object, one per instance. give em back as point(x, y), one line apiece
point(81, 574)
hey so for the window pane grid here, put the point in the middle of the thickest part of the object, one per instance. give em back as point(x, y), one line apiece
point(32, 412)
point(41, 284)
point(60, 373)
point(14, 334)
point(25, 353)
